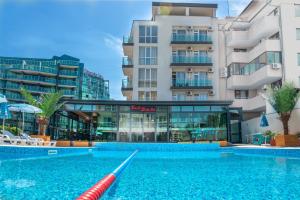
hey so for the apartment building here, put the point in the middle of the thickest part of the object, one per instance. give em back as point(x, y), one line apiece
point(40, 76)
point(262, 50)
point(174, 55)
point(185, 53)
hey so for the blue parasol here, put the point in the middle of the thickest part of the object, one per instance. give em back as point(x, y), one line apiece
point(264, 121)
point(4, 113)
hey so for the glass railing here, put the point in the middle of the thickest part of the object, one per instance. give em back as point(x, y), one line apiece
point(31, 78)
point(67, 82)
point(68, 73)
point(15, 96)
point(191, 59)
point(127, 40)
point(69, 62)
point(192, 83)
point(36, 68)
point(107, 125)
point(68, 92)
point(126, 61)
point(191, 38)
point(126, 83)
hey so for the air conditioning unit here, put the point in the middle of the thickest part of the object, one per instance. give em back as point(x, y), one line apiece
point(189, 93)
point(189, 27)
point(189, 69)
point(210, 70)
point(210, 49)
point(223, 73)
point(190, 48)
point(211, 93)
point(210, 29)
point(276, 65)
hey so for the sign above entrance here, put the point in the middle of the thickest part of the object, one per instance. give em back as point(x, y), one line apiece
point(142, 108)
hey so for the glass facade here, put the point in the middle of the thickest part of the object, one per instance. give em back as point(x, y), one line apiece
point(161, 123)
point(40, 76)
point(94, 87)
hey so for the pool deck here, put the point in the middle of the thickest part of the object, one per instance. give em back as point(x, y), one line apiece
point(261, 146)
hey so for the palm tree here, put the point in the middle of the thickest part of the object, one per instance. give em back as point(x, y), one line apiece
point(284, 99)
point(48, 103)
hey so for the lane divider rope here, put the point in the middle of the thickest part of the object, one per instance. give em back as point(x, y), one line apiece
point(97, 190)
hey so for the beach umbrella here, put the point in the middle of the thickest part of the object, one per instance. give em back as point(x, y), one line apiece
point(3, 99)
point(24, 108)
point(4, 113)
point(264, 123)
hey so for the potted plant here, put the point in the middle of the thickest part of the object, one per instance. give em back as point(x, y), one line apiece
point(283, 99)
point(271, 135)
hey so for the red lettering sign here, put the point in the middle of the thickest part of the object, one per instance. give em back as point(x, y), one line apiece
point(143, 108)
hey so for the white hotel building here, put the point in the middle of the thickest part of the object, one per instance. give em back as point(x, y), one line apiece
point(186, 53)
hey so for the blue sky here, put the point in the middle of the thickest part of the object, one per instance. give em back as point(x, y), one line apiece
point(87, 29)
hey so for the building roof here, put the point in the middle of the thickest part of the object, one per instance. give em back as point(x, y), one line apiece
point(204, 5)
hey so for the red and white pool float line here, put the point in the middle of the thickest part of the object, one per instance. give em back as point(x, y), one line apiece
point(100, 188)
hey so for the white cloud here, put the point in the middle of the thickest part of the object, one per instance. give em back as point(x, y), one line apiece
point(114, 43)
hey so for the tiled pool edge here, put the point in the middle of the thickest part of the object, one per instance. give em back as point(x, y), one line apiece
point(282, 152)
point(19, 152)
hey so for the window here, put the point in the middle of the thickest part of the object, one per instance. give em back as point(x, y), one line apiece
point(147, 95)
point(297, 10)
point(298, 33)
point(148, 34)
point(241, 94)
point(298, 59)
point(273, 57)
point(148, 55)
point(147, 77)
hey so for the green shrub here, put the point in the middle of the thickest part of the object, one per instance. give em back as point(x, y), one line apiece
point(12, 129)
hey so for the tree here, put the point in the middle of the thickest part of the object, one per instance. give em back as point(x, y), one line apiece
point(48, 103)
point(284, 99)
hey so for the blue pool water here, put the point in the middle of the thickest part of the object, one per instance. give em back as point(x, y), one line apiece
point(209, 174)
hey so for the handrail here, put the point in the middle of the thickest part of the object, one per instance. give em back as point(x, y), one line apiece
point(96, 191)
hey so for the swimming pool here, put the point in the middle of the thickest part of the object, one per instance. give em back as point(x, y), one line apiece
point(208, 174)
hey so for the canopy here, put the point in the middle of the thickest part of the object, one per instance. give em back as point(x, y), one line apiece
point(24, 108)
point(4, 113)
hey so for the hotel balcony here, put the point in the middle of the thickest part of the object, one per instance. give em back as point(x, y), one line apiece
point(128, 46)
point(192, 84)
point(191, 39)
point(254, 104)
point(68, 93)
point(127, 87)
point(31, 79)
point(34, 69)
point(127, 66)
point(265, 75)
point(69, 64)
point(67, 83)
point(68, 73)
point(191, 61)
point(246, 57)
point(32, 89)
point(261, 28)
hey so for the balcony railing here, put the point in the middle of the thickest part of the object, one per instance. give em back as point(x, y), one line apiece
point(67, 83)
point(191, 60)
point(186, 38)
point(126, 84)
point(68, 92)
point(181, 83)
point(68, 73)
point(126, 62)
point(36, 68)
point(31, 78)
point(69, 63)
point(127, 40)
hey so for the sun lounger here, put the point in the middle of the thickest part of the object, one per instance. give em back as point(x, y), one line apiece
point(12, 139)
point(32, 141)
